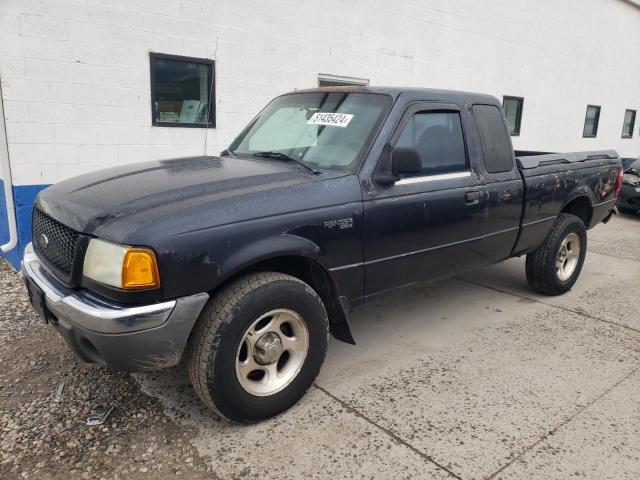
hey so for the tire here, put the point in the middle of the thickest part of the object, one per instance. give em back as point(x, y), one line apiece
point(543, 272)
point(220, 359)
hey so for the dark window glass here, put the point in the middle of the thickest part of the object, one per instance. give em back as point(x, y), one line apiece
point(438, 139)
point(629, 123)
point(182, 91)
point(513, 111)
point(496, 149)
point(591, 120)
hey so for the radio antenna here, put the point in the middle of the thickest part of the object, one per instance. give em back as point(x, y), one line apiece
point(213, 80)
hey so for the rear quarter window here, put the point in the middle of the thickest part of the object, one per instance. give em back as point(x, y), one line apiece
point(496, 149)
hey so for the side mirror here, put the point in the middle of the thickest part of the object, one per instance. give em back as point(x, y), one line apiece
point(405, 161)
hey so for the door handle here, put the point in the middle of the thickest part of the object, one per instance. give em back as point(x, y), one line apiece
point(505, 194)
point(472, 197)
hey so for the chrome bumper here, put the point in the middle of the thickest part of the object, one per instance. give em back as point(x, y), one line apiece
point(88, 310)
point(123, 337)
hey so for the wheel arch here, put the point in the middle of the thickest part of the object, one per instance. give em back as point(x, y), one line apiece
point(580, 206)
point(298, 257)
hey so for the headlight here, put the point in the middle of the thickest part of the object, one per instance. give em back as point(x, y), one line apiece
point(631, 179)
point(121, 266)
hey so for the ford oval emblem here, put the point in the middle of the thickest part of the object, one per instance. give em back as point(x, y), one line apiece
point(43, 241)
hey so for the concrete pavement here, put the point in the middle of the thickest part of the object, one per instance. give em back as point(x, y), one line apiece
point(472, 377)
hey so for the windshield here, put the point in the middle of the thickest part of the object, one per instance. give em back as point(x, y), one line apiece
point(324, 130)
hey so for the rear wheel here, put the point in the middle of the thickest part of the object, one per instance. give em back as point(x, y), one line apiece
point(258, 346)
point(556, 265)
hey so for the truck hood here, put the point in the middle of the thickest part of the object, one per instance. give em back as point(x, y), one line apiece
point(172, 197)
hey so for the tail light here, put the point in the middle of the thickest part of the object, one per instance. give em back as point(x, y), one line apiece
point(619, 182)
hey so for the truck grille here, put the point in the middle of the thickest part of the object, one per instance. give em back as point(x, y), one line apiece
point(54, 242)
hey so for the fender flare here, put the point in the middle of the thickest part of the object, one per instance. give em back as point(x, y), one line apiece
point(577, 195)
point(338, 308)
point(266, 248)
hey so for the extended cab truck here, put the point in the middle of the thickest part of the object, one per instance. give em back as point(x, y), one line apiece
point(243, 263)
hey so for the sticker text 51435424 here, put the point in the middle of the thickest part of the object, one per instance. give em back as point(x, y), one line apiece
point(330, 119)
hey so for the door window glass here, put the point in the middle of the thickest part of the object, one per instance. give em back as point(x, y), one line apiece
point(438, 139)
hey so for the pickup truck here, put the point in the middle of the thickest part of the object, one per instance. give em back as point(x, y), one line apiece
point(241, 265)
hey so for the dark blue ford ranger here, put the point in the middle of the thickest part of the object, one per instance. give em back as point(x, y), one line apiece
point(242, 264)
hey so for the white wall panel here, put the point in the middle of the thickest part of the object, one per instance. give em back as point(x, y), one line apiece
point(76, 73)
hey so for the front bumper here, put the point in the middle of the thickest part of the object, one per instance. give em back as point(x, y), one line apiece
point(122, 337)
point(629, 197)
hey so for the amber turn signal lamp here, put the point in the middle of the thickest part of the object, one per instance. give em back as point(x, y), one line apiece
point(140, 269)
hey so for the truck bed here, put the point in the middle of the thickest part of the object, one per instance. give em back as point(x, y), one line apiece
point(553, 180)
point(530, 160)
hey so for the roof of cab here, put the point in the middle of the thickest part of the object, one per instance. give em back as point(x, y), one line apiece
point(426, 94)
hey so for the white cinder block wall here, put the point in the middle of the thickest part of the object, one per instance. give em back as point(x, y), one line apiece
point(75, 74)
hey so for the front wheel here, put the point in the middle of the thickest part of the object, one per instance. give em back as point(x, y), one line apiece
point(555, 266)
point(258, 346)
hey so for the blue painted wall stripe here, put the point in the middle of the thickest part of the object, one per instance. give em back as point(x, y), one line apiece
point(4, 225)
point(23, 196)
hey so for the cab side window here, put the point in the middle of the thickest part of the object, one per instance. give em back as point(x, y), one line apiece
point(496, 149)
point(438, 139)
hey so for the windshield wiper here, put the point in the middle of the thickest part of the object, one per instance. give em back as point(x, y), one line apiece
point(286, 158)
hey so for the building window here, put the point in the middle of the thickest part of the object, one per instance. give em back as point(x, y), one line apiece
point(591, 120)
point(327, 80)
point(629, 123)
point(182, 91)
point(513, 110)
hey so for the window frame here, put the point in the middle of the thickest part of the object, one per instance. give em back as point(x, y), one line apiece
point(633, 122)
point(428, 107)
point(211, 81)
point(518, 114)
point(596, 121)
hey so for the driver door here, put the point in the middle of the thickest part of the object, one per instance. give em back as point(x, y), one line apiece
point(429, 224)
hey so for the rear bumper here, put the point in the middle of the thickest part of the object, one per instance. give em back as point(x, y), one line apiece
point(122, 337)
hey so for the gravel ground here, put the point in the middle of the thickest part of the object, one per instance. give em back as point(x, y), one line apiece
point(43, 439)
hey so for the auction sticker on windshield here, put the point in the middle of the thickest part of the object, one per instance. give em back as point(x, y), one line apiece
point(330, 119)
